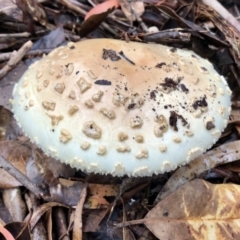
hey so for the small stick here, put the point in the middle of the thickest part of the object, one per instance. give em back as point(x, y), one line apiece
point(6, 56)
point(72, 7)
point(23, 34)
point(77, 227)
point(15, 58)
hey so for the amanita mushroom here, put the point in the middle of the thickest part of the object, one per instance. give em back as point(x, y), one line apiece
point(109, 106)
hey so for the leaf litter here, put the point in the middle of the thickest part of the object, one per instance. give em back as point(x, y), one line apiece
point(184, 204)
point(197, 210)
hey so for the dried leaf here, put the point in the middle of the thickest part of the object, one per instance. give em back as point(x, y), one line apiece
point(198, 210)
point(63, 192)
point(235, 117)
point(12, 199)
point(10, 9)
point(7, 84)
point(97, 192)
point(127, 233)
point(223, 154)
point(41, 210)
point(51, 40)
point(77, 227)
point(19, 230)
point(230, 31)
point(197, 30)
point(6, 118)
point(234, 166)
point(6, 233)
point(17, 154)
point(92, 219)
point(5, 216)
point(41, 168)
point(102, 7)
point(93, 21)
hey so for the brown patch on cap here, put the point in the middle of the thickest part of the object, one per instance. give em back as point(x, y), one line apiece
point(111, 54)
point(173, 120)
point(200, 103)
point(210, 125)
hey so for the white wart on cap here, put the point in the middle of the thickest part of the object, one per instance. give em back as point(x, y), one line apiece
point(108, 106)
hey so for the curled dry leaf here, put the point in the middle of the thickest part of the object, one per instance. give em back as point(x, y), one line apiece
point(198, 210)
point(19, 230)
point(6, 233)
point(12, 199)
point(102, 7)
point(223, 154)
point(94, 20)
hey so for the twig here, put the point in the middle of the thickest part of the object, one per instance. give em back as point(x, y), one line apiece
point(223, 12)
point(32, 53)
point(8, 167)
point(16, 57)
point(72, 7)
point(23, 34)
point(77, 227)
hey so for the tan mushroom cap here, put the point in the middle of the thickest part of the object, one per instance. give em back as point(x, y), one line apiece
point(109, 106)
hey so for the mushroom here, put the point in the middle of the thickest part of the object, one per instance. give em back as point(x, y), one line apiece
point(134, 109)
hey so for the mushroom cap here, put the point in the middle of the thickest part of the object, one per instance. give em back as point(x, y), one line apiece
point(108, 106)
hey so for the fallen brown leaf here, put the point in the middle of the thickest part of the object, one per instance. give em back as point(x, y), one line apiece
point(8, 82)
point(17, 154)
point(223, 154)
point(97, 192)
point(13, 201)
point(198, 210)
point(92, 218)
point(102, 7)
point(65, 191)
point(94, 20)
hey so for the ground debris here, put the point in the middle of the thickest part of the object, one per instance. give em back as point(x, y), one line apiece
point(49, 199)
